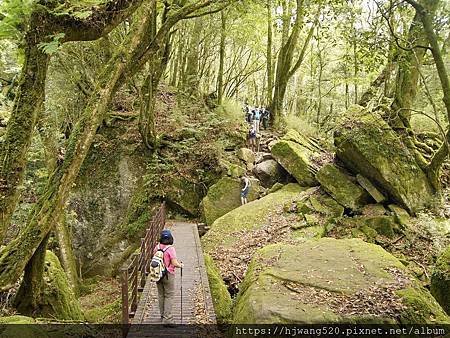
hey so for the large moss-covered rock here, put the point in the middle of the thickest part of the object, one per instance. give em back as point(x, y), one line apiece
point(58, 300)
point(220, 295)
point(185, 195)
point(440, 280)
point(248, 217)
point(331, 281)
point(296, 159)
point(307, 142)
point(368, 227)
point(24, 329)
point(269, 172)
point(342, 187)
point(370, 147)
point(224, 196)
point(247, 156)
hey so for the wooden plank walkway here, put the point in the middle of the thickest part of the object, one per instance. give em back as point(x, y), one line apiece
point(197, 301)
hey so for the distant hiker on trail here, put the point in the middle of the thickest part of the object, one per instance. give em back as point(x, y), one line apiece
point(246, 188)
point(257, 117)
point(252, 138)
point(249, 115)
point(265, 118)
point(164, 255)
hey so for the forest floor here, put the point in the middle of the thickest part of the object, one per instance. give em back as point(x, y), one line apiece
point(101, 300)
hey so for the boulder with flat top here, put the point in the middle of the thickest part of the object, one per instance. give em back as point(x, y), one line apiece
point(331, 281)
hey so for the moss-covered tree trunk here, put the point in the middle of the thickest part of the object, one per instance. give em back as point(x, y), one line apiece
point(426, 13)
point(29, 295)
point(45, 21)
point(191, 80)
point(66, 255)
point(285, 70)
point(50, 207)
point(29, 98)
point(127, 60)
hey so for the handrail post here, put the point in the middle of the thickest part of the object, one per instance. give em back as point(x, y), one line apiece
point(135, 283)
point(125, 313)
point(142, 262)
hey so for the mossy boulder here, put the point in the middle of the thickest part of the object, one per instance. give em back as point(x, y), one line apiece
point(326, 205)
point(17, 319)
point(331, 281)
point(373, 210)
point(440, 280)
point(342, 187)
point(370, 147)
point(401, 215)
point(248, 217)
point(220, 295)
point(277, 186)
point(184, 195)
point(231, 169)
point(371, 226)
point(224, 196)
point(296, 159)
point(58, 299)
point(293, 135)
point(269, 172)
point(26, 328)
point(247, 156)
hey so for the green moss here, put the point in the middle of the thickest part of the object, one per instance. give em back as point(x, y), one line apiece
point(277, 186)
point(314, 231)
point(98, 315)
point(296, 160)
point(252, 215)
point(224, 196)
point(325, 264)
point(387, 163)
point(341, 186)
point(58, 299)
point(440, 280)
point(185, 194)
point(422, 308)
point(17, 319)
point(220, 295)
point(326, 205)
point(23, 330)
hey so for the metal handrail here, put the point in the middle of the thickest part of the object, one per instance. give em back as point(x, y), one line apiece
point(134, 275)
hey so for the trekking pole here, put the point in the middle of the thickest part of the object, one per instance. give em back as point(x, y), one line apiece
point(181, 283)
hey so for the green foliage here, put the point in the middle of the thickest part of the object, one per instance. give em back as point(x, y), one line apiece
point(52, 46)
point(14, 14)
point(299, 124)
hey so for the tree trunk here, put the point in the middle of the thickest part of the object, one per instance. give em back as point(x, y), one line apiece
point(426, 15)
point(66, 255)
point(29, 295)
point(192, 81)
point(48, 210)
point(221, 58)
point(269, 52)
point(133, 54)
point(14, 148)
point(43, 23)
point(409, 63)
